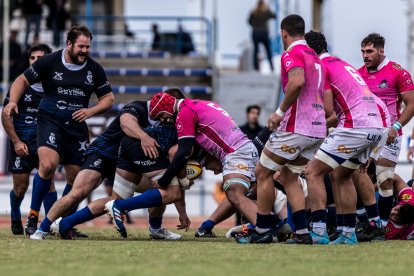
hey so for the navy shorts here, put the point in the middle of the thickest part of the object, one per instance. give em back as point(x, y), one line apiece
point(105, 166)
point(24, 164)
point(132, 158)
point(68, 140)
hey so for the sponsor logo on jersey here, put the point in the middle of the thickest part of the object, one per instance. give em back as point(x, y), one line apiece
point(27, 97)
point(58, 76)
point(17, 163)
point(31, 110)
point(29, 120)
point(406, 197)
point(317, 123)
point(89, 78)
point(287, 149)
point(397, 66)
point(52, 140)
point(288, 62)
point(83, 145)
point(71, 91)
point(383, 84)
point(62, 105)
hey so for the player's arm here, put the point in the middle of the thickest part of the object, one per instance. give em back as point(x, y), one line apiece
point(19, 146)
point(180, 205)
point(130, 126)
point(17, 89)
point(328, 104)
point(185, 147)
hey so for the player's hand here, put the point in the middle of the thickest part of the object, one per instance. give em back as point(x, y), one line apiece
point(10, 109)
point(21, 148)
point(185, 222)
point(274, 121)
point(410, 155)
point(82, 114)
point(392, 134)
point(364, 167)
point(149, 145)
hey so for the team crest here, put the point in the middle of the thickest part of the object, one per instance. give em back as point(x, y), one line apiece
point(97, 163)
point(52, 140)
point(383, 84)
point(89, 78)
point(17, 163)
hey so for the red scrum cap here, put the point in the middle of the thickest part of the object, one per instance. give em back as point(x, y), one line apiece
point(161, 102)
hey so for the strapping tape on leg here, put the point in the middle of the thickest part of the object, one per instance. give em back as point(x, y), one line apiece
point(384, 173)
point(386, 192)
point(235, 181)
point(269, 163)
point(295, 168)
point(124, 188)
point(320, 155)
point(304, 185)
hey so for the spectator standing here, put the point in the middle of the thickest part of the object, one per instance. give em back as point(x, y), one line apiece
point(252, 127)
point(32, 12)
point(56, 20)
point(258, 20)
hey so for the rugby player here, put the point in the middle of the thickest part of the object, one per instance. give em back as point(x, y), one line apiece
point(101, 158)
point(69, 77)
point(393, 85)
point(212, 128)
point(22, 131)
point(297, 134)
point(401, 222)
point(349, 145)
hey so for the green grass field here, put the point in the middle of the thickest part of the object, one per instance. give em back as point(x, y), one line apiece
point(106, 254)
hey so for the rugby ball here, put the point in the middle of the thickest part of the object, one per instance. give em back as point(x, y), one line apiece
point(193, 169)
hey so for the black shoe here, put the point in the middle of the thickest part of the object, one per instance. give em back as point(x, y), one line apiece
point(31, 225)
point(17, 227)
point(75, 233)
point(334, 235)
point(266, 237)
point(203, 232)
point(373, 231)
point(283, 232)
point(300, 239)
point(360, 227)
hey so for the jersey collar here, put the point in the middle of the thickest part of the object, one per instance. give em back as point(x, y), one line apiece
point(152, 122)
point(71, 66)
point(297, 42)
point(324, 55)
point(381, 65)
point(37, 87)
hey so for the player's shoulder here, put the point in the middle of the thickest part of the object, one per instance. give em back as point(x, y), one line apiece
point(134, 106)
point(395, 66)
point(362, 69)
point(93, 64)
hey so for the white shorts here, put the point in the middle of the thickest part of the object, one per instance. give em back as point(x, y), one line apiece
point(375, 154)
point(349, 147)
point(290, 145)
point(242, 161)
point(392, 151)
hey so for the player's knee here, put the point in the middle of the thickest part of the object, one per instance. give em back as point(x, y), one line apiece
point(263, 172)
point(385, 176)
point(47, 169)
point(20, 190)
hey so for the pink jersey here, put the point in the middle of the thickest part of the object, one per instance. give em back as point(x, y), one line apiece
point(401, 232)
point(388, 83)
point(211, 126)
point(355, 105)
point(306, 116)
point(385, 115)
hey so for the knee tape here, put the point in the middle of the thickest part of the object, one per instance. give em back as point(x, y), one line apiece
point(304, 185)
point(236, 181)
point(269, 163)
point(384, 173)
point(295, 168)
point(124, 188)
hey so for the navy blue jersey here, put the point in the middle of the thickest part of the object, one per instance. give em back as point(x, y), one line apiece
point(67, 87)
point(107, 144)
point(165, 135)
point(25, 122)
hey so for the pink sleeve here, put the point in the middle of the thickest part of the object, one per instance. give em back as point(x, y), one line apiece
point(291, 60)
point(186, 123)
point(404, 81)
point(327, 80)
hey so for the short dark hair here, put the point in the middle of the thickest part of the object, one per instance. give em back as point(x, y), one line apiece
point(175, 92)
point(316, 41)
point(293, 24)
point(41, 47)
point(250, 107)
point(77, 31)
point(375, 39)
point(406, 214)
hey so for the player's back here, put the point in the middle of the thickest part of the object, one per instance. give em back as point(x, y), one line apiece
point(306, 116)
point(216, 131)
point(354, 103)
